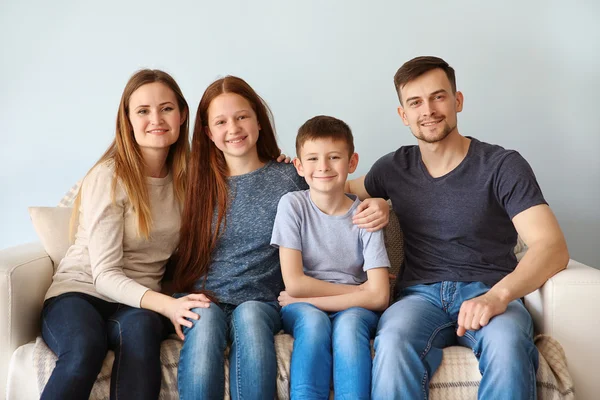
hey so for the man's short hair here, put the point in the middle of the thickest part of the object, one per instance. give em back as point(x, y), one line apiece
point(324, 127)
point(416, 67)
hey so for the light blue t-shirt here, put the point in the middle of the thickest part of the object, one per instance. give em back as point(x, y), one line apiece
point(333, 248)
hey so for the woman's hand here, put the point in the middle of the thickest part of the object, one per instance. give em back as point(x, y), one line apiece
point(179, 311)
point(372, 214)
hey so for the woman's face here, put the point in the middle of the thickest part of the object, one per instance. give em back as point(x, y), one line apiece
point(155, 117)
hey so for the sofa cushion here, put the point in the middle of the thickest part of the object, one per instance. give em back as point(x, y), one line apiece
point(457, 378)
point(52, 227)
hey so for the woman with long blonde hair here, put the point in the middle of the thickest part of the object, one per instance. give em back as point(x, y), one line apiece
point(105, 293)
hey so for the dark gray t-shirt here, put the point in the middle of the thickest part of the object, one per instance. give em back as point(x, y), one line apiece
point(333, 248)
point(457, 227)
point(244, 264)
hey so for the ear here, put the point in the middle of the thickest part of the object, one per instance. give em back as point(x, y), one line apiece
point(459, 101)
point(184, 115)
point(207, 132)
point(353, 163)
point(402, 115)
point(298, 165)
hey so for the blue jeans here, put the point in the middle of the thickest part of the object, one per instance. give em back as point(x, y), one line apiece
point(252, 363)
point(80, 329)
point(321, 339)
point(414, 330)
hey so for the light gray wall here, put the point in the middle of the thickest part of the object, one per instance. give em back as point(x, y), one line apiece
point(528, 70)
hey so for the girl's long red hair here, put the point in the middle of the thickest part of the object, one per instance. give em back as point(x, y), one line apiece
point(207, 192)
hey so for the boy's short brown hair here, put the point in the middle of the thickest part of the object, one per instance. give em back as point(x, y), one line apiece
point(324, 127)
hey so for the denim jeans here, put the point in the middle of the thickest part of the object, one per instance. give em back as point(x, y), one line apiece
point(322, 340)
point(414, 330)
point(80, 329)
point(252, 363)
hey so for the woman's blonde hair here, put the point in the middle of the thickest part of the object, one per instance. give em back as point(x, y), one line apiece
point(125, 153)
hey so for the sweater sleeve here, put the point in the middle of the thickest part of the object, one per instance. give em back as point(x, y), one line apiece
point(104, 220)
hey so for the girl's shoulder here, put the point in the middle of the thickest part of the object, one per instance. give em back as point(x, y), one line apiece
point(286, 173)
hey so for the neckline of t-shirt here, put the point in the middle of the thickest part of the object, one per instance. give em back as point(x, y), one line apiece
point(455, 170)
point(251, 173)
point(345, 215)
point(159, 181)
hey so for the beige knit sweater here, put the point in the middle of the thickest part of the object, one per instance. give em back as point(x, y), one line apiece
point(108, 259)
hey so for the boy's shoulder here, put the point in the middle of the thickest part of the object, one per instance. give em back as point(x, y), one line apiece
point(297, 199)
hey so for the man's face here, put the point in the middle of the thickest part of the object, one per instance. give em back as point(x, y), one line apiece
point(429, 107)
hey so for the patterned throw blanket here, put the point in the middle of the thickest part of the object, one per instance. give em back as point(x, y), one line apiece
point(457, 378)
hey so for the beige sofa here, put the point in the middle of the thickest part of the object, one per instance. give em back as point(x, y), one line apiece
point(564, 308)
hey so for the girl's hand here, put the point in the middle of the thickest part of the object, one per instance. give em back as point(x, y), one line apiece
point(179, 311)
point(372, 214)
point(285, 299)
point(283, 158)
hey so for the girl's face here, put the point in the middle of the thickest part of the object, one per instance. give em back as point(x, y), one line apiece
point(233, 126)
point(155, 117)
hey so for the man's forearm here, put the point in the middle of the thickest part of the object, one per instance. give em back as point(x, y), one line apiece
point(535, 268)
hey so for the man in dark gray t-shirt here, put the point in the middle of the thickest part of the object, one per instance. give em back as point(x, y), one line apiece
point(461, 204)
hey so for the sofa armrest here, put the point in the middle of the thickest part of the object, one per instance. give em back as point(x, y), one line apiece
point(565, 308)
point(25, 276)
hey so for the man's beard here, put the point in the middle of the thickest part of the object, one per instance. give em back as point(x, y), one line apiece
point(437, 138)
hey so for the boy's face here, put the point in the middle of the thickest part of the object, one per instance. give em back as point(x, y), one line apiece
point(325, 164)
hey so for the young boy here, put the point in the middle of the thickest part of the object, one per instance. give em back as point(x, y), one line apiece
point(335, 274)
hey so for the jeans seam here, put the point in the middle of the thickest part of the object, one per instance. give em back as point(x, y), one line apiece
point(430, 340)
point(119, 360)
point(423, 383)
point(237, 357)
point(50, 331)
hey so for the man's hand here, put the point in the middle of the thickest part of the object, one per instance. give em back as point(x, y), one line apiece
point(477, 312)
point(285, 299)
point(283, 158)
point(372, 214)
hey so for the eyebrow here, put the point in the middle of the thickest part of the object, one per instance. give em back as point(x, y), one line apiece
point(161, 104)
point(430, 94)
point(237, 112)
point(331, 152)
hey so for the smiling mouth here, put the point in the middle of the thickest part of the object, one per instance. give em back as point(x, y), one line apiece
point(431, 123)
point(236, 140)
point(157, 131)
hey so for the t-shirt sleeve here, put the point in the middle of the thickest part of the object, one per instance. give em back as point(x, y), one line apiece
point(286, 229)
point(374, 252)
point(105, 224)
point(375, 178)
point(516, 187)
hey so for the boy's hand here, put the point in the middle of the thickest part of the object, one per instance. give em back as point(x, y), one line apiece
point(372, 214)
point(285, 299)
point(283, 158)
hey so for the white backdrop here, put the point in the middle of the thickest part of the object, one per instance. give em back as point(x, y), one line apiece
point(529, 71)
